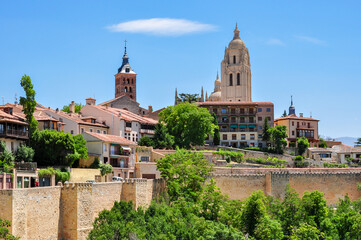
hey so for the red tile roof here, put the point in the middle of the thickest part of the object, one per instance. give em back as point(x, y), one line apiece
point(112, 138)
point(293, 116)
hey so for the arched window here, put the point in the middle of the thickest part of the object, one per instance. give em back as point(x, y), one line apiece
point(238, 79)
point(126, 89)
point(130, 89)
point(234, 59)
point(230, 79)
point(127, 80)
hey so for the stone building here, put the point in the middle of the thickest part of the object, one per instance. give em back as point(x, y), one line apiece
point(240, 119)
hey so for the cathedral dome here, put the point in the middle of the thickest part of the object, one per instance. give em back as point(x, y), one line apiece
point(215, 97)
point(237, 42)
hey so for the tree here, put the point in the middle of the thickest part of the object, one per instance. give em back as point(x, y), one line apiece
point(162, 139)
point(58, 148)
point(105, 169)
point(266, 135)
point(322, 143)
point(278, 135)
point(306, 232)
point(29, 104)
point(187, 97)
point(145, 141)
point(188, 124)
point(185, 173)
point(216, 135)
point(6, 158)
point(314, 207)
point(358, 142)
point(24, 153)
point(4, 231)
point(284, 114)
point(78, 107)
point(302, 145)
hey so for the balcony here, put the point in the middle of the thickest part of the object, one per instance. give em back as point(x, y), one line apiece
point(128, 129)
point(13, 133)
point(147, 131)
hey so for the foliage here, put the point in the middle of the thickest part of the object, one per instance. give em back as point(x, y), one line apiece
point(216, 135)
point(292, 144)
point(95, 163)
point(145, 141)
point(335, 165)
point(48, 172)
point(233, 156)
point(62, 175)
point(184, 172)
point(58, 148)
point(278, 135)
point(4, 231)
point(105, 169)
point(188, 124)
point(78, 107)
point(187, 97)
point(299, 163)
point(24, 153)
point(284, 114)
point(322, 144)
point(266, 135)
point(358, 142)
point(302, 145)
point(268, 160)
point(6, 158)
point(306, 232)
point(162, 139)
point(29, 104)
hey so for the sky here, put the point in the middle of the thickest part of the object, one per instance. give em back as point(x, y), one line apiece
point(72, 50)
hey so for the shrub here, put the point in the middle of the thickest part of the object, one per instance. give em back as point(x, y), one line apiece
point(95, 164)
point(62, 175)
point(24, 153)
point(105, 169)
point(292, 144)
point(230, 155)
point(48, 172)
point(335, 165)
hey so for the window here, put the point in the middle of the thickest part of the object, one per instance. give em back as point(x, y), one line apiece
point(293, 123)
point(81, 130)
point(243, 136)
point(251, 111)
point(127, 70)
point(325, 155)
point(268, 109)
point(127, 80)
point(259, 119)
point(252, 136)
point(12, 147)
point(132, 81)
point(269, 118)
point(293, 133)
point(224, 110)
point(308, 125)
point(224, 137)
point(104, 147)
point(72, 132)
point(259, 127)
point(251, 120)
point(233, 111)
point(91, 130)
point(215, 110)
point(234, 136)
point(128, 124)
point(144, 159)
point(130, 89)
point(98, 131)
point(234, 59)
point(241, 111)
point(241, 120)
point(238, 79)
point(230, 79)
point(259, 109)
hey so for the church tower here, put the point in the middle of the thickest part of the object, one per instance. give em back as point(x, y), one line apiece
point(236, 71)
point(126, 79)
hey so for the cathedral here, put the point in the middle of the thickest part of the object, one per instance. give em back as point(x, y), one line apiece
point(240, 119)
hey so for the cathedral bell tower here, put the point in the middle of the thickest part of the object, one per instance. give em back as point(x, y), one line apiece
point(236, 82)
point(126, 79)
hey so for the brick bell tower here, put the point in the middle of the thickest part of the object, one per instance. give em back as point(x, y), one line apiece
point(126, 79)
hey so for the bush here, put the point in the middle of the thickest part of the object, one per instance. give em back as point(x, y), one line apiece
point(230, 155)
point(299, 163)
point(24, 153)
point(62, 175)
point(105, 169)
point(268, 161)
point(292, 144)
point(46, 172)
point(335, 165)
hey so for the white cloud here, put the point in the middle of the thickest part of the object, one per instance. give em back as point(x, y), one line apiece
point(275, 41)
point(162, 26)
point(310, 40)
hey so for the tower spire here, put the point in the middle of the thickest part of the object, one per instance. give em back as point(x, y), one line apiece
point(202, 95)
point(292, 109)
point(125, 47)
point(236, 33)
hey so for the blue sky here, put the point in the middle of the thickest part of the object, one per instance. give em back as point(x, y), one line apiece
point(72, 49)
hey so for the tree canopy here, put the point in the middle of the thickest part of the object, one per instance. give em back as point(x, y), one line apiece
point(188, 124)
point(78, 107)
point(29, 104)
point(278, 135)
point(302, 145)
point(187, 97)
point(358, 142)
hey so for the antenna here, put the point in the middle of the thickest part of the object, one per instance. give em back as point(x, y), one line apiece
point(16, 98)
point(311, 114)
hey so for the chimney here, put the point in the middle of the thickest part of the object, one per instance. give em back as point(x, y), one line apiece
point(90, 101)
point(301, 114)
point(150, 109)
point(72, 107)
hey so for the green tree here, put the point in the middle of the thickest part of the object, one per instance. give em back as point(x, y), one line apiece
point(4, 231)
point(29, 104)
point(302, 145)
point(268, 229)
point(58, 148)
point(314, 207)
point(187, 97)
point(284, 114)
point(24, 153)
point(78, 107)
point(322, 143)
point(105, 169)
point(306, 232)
point(162, 139)
point(278, 135)
point(146, 141)
point(358, 142)
point(6, 158)
point(266, 135)
point(185, 173)
point(216, 135)
point(188, 124)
